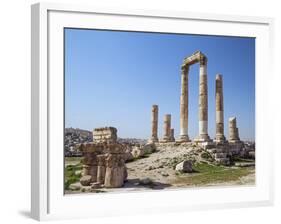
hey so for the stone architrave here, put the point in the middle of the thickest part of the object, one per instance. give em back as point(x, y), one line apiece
point(219, 110)
point(154, 124)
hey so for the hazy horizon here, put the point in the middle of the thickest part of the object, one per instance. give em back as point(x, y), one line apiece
point(112, 78)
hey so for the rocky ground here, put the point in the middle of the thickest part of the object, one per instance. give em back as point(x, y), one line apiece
point(157, 170)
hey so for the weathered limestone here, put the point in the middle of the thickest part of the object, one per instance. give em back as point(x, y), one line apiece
point(154, 124)
point(115, 171)
point(219, 110)
point(233, 131)
point(184, 105)
point(167, 128)
point(197, 57)
point(101, 168)
point(106, 134)
point(104, 160)
point(139, 151)
point(184, 167)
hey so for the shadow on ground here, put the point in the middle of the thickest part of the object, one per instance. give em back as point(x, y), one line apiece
point(137, 183)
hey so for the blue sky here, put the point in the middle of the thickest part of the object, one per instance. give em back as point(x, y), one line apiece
point(113, 78)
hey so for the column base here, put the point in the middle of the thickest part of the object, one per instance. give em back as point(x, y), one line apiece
point(183, 138)
point(202, 138)
point(153, 140)
point(220, 139)
point(235, 141)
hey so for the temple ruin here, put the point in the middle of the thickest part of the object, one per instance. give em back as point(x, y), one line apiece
point(103, 160)
point(203, 136)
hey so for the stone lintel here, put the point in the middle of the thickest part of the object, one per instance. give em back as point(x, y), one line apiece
point(197, 56)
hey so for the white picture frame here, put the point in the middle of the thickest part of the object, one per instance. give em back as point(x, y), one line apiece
point(48, 201)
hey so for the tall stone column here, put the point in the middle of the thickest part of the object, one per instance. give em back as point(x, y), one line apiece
point(219, 110)
point(203, 101)
point(233, 130)
point(167, 128)
point(172, 135)
point(154, 124)
point(184, 105)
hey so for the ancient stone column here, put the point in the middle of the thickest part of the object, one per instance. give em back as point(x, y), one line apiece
point(172, 135)
point(184, 105)
point(101, 168)
point(233, 130)
point(219, 110)
point(90, 167)
point(115, 173)
point(203, 101)
point(167, 128)
point(154, 124)
point(85, 170)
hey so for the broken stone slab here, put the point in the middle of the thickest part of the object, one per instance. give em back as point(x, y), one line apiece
point(245, 164)
point(75, 187)
point(96, 185)
point(215, 150)
point(185, 166)
point(137, 152)
point(149, 148)
point(207, 145)
point(128, 156)
point(252, 154)
point(220, 155)
point(86, 180)
point(223, 161)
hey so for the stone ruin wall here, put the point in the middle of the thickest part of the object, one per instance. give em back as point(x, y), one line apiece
point(106, 134)
point(103, 160)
